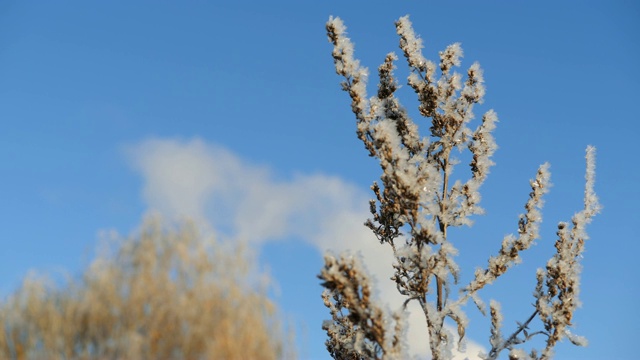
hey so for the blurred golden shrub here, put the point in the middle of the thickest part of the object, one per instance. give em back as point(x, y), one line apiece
point(165, 293)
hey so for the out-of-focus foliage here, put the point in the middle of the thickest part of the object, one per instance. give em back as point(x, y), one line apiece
point(161, 294)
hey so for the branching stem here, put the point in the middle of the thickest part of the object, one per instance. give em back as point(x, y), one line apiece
point(443, 224)
point(495, 351)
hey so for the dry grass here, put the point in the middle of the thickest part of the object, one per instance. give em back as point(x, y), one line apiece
point(163, 294)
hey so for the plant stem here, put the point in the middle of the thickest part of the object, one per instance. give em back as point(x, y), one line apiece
point(496, 350)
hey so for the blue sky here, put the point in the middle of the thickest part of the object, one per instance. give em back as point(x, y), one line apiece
point(232, 114)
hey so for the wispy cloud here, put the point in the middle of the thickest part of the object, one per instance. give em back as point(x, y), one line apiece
point(240, 200)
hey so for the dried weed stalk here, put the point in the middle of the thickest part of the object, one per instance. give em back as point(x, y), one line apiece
point(418, 201)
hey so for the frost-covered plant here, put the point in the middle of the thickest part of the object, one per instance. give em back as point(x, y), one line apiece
point(363, 332)
point(418, 201)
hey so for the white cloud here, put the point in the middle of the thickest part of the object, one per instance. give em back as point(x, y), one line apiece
point(178, 177)
point(244, 201)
